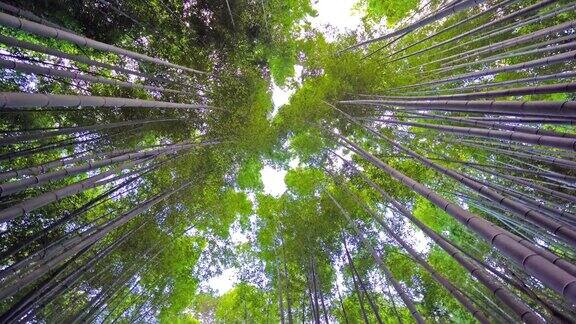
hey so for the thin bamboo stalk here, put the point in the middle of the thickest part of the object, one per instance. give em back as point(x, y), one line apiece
point(460, 6)
point(27, 100)
point(34, 69)
point(552, 141)
point(476, 313)
point(512, 246)
point(502, 5)
point(561, 28)
point(559, 47)
point(10, 41)
point(554, 59)
point(555, 76)
point(524, 108)
point(483, 27)
point(51, 32)
point(537, 19)
point(523, 91)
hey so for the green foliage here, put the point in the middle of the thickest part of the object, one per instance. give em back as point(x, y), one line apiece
point(282, 64)
point(183, 319)
point(246, 303)
point(393, 11)
point(307, 145)
point(401, 265)
point(429, 214)
point(249, 176)
point(304, 182)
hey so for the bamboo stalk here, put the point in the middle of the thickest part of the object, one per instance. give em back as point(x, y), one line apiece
point(51, 32)
point(28, 100)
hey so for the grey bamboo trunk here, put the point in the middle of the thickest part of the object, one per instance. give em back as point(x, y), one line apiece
point(564, 231)
point(522, 108)
point(71, 159)
point(26, 183)
point(500, 124)
point(85, 242)
point(51, 32)
point(510, 245)
point(31, 100)
point(523, 91)
point(40, 70)
point(399, 289)
point(466, 55)
point(554, 59)
point(551, 141)
point(29, 15)
point(464, 21)
point(483, 27)
point(488, 280)
point(462, 5)
point(454, 291)
point(498, 290)
point(555, 48)
point(36, 135)
point(509, 28)
point(77, 58)
point(555, 76)
point(32, 204)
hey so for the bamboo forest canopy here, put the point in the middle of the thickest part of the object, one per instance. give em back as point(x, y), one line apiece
point(428, 159)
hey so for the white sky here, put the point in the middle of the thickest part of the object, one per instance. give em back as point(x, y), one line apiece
point(224, 282)
point(273, 180)
point(336, 13)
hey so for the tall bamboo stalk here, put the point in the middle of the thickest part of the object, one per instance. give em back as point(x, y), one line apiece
point(19, 100)
point(10, 41)
point(476, 313)
point(512, 246)
point(460, 6)
point(34, 69)
point(51, 32)
point(522, 108)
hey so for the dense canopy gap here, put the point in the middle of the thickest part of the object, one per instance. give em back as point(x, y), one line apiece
point(270, 161)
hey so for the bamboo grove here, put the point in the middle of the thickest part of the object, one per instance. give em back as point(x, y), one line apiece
point(430, 163)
